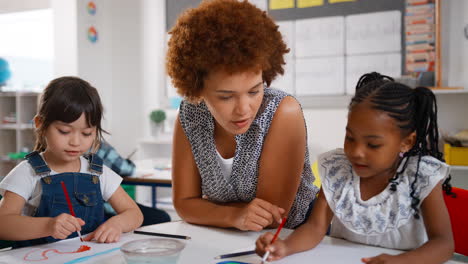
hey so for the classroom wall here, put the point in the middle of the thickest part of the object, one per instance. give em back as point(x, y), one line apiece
point(22, 5)
point(325, 129)
point(125, 64)
point(65, 37)
point(454, 44)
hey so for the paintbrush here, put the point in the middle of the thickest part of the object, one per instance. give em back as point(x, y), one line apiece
point(70, 207)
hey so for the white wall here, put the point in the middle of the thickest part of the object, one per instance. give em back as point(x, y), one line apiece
point(65, 37)
point(8, 6)
point(153, 61)
point(325, 129)
point(454, 17)
point(126, 64)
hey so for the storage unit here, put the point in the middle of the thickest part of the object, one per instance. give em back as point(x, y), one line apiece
point(17, 110)
point(456, 155)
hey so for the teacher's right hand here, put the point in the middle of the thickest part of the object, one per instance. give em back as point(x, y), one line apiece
point(257, 215)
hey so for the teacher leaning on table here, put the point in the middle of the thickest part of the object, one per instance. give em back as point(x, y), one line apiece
point(240, 155)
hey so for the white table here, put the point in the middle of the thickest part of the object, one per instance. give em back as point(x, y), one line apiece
point(153, 173)
point(208, 242)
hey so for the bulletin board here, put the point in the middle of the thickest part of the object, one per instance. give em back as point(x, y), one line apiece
point(332, 43)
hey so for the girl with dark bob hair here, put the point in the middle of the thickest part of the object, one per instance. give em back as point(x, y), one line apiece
point(34, 208)
point(240, 156)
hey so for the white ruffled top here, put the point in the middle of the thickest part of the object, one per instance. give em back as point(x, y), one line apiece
point(387, 219)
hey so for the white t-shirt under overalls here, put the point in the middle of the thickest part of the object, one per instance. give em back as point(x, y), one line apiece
point(23, 181)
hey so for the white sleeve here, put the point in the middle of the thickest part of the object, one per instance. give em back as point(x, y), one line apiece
point(431, 173)
point(20, 180)
point(110, 181)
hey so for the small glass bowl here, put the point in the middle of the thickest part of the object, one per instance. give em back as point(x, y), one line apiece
point(152, 250)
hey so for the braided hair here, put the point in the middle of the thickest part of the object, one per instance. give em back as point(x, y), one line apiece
point(414, 110)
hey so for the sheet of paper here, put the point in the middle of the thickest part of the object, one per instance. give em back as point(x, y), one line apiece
point(281, 4)
point(309, 3)
point(387, 64)
point(65, 251)
point(320, 76)
point(373, 32)
point(319, 37)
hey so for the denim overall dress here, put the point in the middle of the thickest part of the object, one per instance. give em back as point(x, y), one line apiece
point(84, 191)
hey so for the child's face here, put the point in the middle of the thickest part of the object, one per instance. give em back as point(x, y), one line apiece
point(233, 100)
point(373, 141)
point(68, 141)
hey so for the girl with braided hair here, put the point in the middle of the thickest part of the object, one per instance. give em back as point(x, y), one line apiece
point(385, 187)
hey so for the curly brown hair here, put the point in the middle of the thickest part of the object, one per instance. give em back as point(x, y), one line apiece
point(227, 35)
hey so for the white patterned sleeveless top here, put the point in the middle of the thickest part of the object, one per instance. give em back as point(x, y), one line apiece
point(198, 125)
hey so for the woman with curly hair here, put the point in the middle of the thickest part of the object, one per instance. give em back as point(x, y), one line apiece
point(240, 156)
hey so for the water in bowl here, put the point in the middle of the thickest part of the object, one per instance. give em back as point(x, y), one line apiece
point(152, 250)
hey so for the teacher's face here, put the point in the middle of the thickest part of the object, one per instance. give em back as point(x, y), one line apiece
point(233, 99)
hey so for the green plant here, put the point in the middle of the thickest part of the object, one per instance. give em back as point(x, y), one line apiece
point(158, 116)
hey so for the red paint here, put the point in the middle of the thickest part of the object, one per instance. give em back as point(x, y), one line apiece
point(83, 248)
point(44, 256)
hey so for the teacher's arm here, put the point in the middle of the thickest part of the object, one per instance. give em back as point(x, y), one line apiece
point(191, 207)
point(282, 158)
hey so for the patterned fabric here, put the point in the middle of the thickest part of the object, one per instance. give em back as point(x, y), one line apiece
point(198, 125)
point(112, 159)
point(386, 219)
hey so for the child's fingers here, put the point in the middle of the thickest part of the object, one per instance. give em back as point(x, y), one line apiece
point(81, 221)
point(105, 237)
point(76, 222)
point(266, 238)
point(113, 237)
point(101, 235)
point(365, 260)
point(61, 234)
point(374, 260)
point(89, 237)
point(260, 246)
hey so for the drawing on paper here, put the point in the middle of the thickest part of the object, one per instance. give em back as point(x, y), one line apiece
point(37, 255)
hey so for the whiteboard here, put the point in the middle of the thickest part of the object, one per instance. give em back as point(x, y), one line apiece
point(320, 76)
point(319, 37)
point(373, 32)
point(357, 65)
